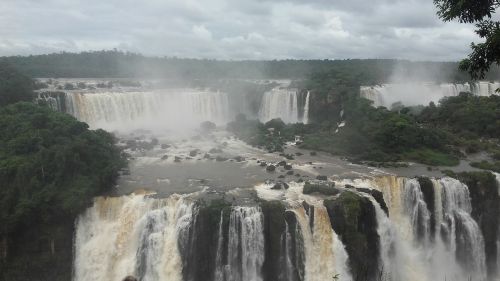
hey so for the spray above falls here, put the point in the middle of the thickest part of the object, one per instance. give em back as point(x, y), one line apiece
point(411, 94)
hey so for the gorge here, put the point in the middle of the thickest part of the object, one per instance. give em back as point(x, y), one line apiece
point(224, 219)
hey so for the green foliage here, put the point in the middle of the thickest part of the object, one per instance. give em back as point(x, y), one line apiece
point(479, 116)
point(486, 165)
point(14, 86)
point(431, 157)
point(324, 189)
point(480, 12)
point(51, 165)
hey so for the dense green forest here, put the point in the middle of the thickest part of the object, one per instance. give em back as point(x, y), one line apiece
point(108, 64)
point(51, 166)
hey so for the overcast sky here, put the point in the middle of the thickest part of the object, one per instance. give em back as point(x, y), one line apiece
point(235, 29)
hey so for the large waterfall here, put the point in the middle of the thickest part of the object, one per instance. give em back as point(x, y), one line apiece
point(284, 103)
point(181, 108)
point(120, 110)
point(422, 93)
point(429, 234)
point(424, 231)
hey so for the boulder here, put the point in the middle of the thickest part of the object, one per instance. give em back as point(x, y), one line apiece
point(239, 158)
point(215, 150)
point(271, 168)
point(313, 153)
point(322, 178)
point(220, 159)
point(177, 159)
point(282, 163)
point(164, 157)
point(288, 167)
point(280, 185)
point(290, 173)
point(325, 189)
point(165, 146)
point(193, 153)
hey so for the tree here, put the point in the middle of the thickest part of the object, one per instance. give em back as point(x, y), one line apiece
point(485, 54)
point(14, 86)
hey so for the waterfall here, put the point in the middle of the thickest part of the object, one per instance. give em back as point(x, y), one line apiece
point(245, 246)
point(169, 109)
point(408, 249)
point(283, 103)
point(463, 234)
point(305, 118)
point(325, 256)
point(411, 94)
point(131, 235)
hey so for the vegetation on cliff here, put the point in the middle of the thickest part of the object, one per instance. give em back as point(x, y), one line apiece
point(51, 166)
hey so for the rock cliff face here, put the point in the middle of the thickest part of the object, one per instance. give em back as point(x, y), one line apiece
point(353, 218)
point(483, 189)
point(382, 227)
point(39, 253)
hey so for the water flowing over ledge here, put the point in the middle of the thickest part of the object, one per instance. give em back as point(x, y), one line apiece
point(411, 94)
point(390, 227)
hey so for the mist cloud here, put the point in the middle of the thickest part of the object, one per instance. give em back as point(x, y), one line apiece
point(234, 29)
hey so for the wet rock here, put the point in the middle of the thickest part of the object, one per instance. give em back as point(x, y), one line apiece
point(263, 164)
point(280, 185)
point(207, 156)
point(325, 189)
point(282, 163)
point(193, 153)
point(281, 177)
point(348, 186)
point(220, 159)
point(288, 167)
point(299, 153)
point(165, 146)
point(177, 159)
point(289, 157)
point(378, 196)
point(322, 178)
point(353, 218)
point(313, 153)
point(239, 158)
point(164, 157)
point(215, 150)
point(300, 180)
point(297, 175)
point(271, 168)
point(290, 173)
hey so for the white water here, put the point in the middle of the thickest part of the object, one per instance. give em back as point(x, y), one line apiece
point(409, 251)
point(245, 246)
point(411, 94)
point(305, 118)
point(282, 103)
point(325, 256)
point(169, 109)
point(131, 235)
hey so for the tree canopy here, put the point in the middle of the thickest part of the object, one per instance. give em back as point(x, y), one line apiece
point(51, 165)
point(484, 54)
point(14, 86)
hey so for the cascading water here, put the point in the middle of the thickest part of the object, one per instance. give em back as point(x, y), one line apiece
point(325, 256)
point(245, 246)
point(171, 109)
point(283, 103)
point(305, 118)
point(409, 251)
point(411, 94)
point(131, 235)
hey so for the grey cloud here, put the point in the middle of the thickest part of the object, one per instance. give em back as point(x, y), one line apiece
point(234, 29)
